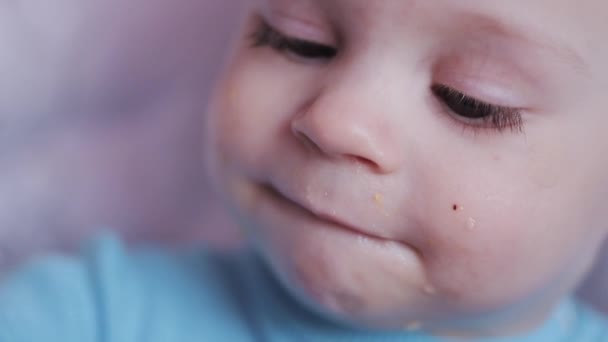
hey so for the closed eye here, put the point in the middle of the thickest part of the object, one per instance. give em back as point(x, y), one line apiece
point(266, 35)
point(476, 113)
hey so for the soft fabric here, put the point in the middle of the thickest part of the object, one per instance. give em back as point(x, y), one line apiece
point(110, 295)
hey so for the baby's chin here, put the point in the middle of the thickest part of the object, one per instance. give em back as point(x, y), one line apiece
point(368, 287)
point(365, 283)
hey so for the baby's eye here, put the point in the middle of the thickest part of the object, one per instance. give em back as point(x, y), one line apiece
point(476, 113)
point(266, 35)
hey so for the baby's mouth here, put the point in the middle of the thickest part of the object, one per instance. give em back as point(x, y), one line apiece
point(327, 217)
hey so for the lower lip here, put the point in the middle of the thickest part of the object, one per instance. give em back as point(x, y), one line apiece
point(392, 249)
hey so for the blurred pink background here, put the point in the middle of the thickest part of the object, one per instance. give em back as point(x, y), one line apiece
point(101, 118)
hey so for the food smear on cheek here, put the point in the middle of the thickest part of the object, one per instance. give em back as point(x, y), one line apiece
point(471, 224)
point(379, 201)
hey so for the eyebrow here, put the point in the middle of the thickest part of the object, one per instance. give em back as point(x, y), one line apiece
point(563, 53)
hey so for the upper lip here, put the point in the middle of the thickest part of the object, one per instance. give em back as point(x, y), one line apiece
point(327, 216)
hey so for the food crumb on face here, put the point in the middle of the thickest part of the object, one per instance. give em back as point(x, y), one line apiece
point(471, 223)
point(379, 200)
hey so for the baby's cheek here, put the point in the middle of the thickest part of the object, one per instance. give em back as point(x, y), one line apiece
point(256, 101)
point(486, 247)
point(242, 114)
point(480, 269)
point(498, 227)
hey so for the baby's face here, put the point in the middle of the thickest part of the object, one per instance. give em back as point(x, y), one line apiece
point(419, 164)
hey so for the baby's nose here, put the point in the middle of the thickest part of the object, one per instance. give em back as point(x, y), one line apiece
point(337, 127)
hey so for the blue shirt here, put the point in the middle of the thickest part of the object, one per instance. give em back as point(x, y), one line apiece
point(109, 295)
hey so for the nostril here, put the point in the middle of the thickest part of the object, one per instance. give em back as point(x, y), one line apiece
point(333, 149)
point(362, 160)
point(307, 141)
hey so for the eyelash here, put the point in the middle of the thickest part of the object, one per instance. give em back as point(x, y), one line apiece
point(266, 35)
point(478, 114)
point(472, 112)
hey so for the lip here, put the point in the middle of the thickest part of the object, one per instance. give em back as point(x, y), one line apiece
point(326, 217)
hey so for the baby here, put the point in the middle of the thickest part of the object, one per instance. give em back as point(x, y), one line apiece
point(404, 171)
